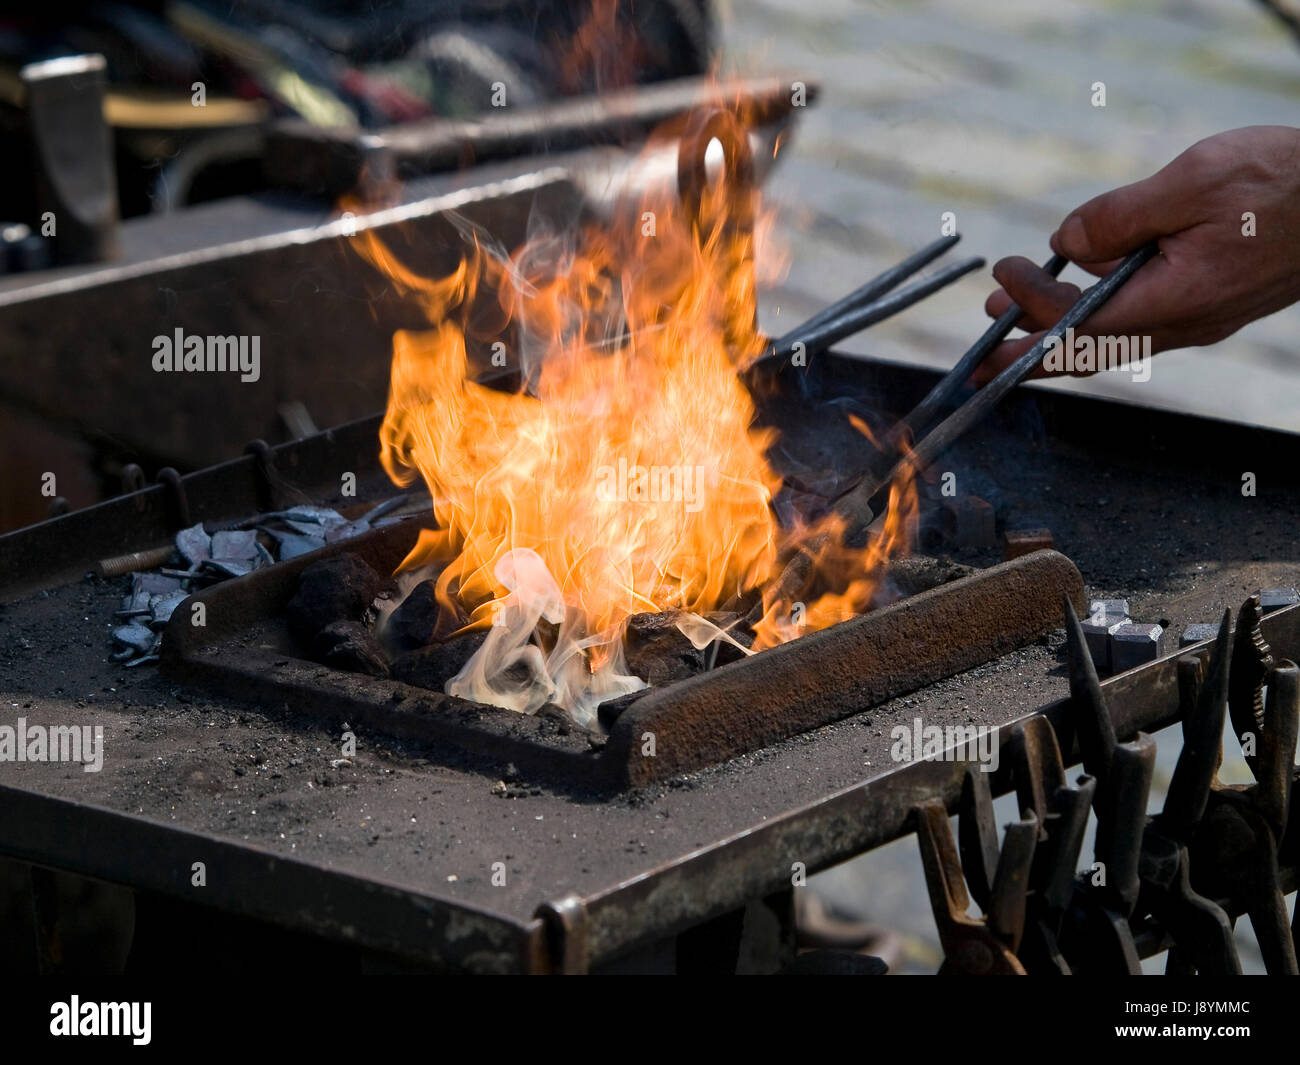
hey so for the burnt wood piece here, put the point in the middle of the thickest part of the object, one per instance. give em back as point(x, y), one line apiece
point(658, 652)
point(413, 624)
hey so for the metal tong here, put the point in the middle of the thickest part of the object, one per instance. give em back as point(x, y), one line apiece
point(862, 502)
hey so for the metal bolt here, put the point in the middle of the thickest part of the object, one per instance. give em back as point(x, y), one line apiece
point(1276, 598)
point(1197, 634)
point(1097, 632)
point(1134, 645)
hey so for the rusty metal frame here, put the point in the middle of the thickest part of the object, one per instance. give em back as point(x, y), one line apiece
point(732, 710)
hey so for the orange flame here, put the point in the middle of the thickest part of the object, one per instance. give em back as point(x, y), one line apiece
point(625, 475)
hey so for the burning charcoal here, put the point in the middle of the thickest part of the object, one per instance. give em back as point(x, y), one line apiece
point(1276, 598)
point(194, 545)
point(657, 652)
point(413, 623)
point(137, 638)
point(431, 667)
point(1197, 634)
point(723, 651)
point(1017, 542)
point(162, 607)
point(334, 589)
point(915, 574)
point(1134, 645)
point(352, 646)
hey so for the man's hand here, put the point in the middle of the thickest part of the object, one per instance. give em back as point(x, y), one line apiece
point(1209, 279)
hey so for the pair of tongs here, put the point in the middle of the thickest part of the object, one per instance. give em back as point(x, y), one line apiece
point(901, 448)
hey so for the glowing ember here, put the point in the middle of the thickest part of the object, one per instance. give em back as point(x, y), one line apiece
point(627, 478)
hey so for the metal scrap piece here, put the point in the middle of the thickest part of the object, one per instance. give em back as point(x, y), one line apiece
point(162, 606)
point(138, 638)
point(194, 544)
point(234, 545)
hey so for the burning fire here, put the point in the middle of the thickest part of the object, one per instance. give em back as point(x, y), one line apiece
point(625, 474)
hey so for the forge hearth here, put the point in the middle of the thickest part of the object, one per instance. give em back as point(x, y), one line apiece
point(248, 647)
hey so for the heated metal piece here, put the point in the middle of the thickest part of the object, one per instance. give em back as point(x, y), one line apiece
point(736, 223)
point(334, 162)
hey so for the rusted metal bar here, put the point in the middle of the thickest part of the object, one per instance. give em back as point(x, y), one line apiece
point(330, 903)
point(333, 162)
point(827, 675)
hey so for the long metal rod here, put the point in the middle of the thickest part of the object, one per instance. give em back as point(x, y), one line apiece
point(872, 290)
point(853, 321)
